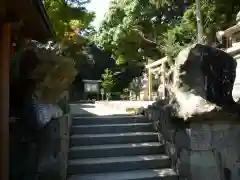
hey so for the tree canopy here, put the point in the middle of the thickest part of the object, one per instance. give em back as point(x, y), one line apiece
point(132, 32)
point(71, 22)
point(69, 17)
point(136, 30)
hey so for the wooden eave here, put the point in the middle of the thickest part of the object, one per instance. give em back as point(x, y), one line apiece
point(29, 19)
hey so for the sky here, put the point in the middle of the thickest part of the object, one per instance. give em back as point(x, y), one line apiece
point(100, 7)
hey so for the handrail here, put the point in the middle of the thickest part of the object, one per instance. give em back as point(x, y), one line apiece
point(228, 32)
point(156, 63)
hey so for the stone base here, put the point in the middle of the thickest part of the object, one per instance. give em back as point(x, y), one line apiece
point(204, 150)
point(44, 157)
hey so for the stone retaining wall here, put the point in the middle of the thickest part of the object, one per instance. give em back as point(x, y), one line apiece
point(42, 156)
point(199, 150)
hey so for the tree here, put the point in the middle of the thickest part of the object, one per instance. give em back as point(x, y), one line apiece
point(130, 32)
point(96, 61)
point(131, 29)
point(183, 34)
point(136, 86)
point(199, 21)
point(70, 20)
point(136, 30)
point(107, 82)
point(69, 17)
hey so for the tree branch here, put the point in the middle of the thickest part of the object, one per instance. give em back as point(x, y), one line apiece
point(144, 38)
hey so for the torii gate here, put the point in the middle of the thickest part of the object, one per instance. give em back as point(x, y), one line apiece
point(159, 68)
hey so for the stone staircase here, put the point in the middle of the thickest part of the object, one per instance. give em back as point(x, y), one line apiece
point(116, 148)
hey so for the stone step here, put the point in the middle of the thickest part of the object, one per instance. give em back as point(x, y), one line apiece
point(77, 120)
point(115, 138)
point(111, 128)
point(149, 174)
point(116, 164)
point(132, 149)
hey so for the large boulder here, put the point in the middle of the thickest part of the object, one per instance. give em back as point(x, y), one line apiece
point(203, 80)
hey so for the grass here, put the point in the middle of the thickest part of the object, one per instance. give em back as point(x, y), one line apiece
point(131, 110)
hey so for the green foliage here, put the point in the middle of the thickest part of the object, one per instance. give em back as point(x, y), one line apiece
point(214, 18)
point(128, 27)
point(131, 32)
point(136, 85)
point(178, 37)
point(107, 80)
point(212, 21)
point(70, 20)
point(227, 9)
point(125, 94)
point(68, 16)
point(136, 30)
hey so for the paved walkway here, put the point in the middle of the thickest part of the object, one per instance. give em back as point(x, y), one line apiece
point(95, 109)
point(122, 105)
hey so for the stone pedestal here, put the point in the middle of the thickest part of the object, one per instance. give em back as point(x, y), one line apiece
point(199, 150)
point(43, 157)
point(199, 120)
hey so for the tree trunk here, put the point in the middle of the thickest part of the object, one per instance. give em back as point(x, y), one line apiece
point(199, 22)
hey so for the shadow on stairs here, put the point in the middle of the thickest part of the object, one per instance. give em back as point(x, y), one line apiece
point(118, 147)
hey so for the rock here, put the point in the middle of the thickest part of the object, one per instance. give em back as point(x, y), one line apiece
point(172, 152)
point(203, 80)
point(201, 165)
point(165, 125)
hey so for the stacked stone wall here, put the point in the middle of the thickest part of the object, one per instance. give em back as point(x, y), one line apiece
point(42, 156)
point(205, 150)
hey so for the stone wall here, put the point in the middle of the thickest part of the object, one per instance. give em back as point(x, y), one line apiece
point(41, 156)
point(203, 150)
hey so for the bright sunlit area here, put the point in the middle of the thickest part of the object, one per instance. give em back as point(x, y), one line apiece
point(100, 7)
